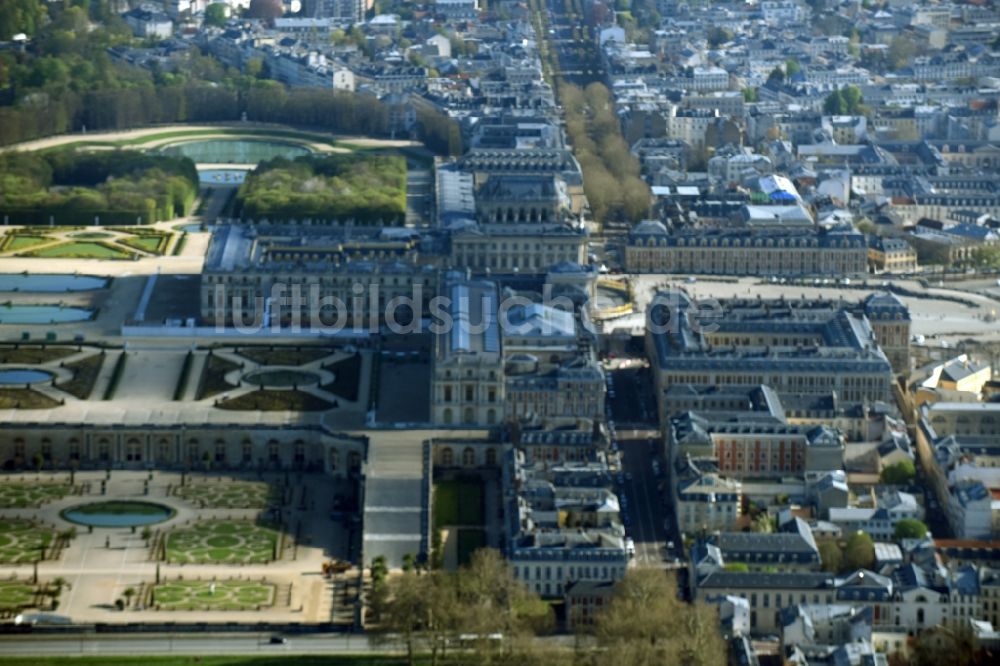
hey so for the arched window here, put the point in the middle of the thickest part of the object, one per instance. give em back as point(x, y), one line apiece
point(334, 460)
point(469, 416)
point(468, 457)
point(491, 456)
point(104, 449)
point(133, 450)
point(447, 416)
point(447, 457)
point(163, 450)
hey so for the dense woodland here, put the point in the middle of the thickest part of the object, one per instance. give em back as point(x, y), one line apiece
point(64, 80)
point(118, 186)
point(370, 188)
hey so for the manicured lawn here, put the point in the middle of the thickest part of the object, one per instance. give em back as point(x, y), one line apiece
point(80, 250)
point(458, 503)
point(285, 355)
point(85, 372)
point(22, 398)
point(194, 595)
point(223, 542)
point(213, 377)
point(151, 243)
point(34, 355)
point(19, 242)
point(223, 131)
point(268, 400)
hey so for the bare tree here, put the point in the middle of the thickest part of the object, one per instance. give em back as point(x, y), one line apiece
point(646, 623)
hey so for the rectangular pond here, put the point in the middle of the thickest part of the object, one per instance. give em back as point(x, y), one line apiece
point(42, 314)
point(50, 282)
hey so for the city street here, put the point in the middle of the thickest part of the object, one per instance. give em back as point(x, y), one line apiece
point(644, 506)
point(185, 644)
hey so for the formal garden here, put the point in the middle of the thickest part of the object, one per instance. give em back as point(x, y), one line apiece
point(229, 494)
point(18, 595)
point(22, 495)
point(211, 595)
point(24, 541)
point(67, 243)
point(222, 542)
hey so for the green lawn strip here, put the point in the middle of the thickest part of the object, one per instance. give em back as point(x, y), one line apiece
point(269, 400)
point(284, 355)
point(91, 235)
point(22, 398)
point(346, 377)
point(458, 503)
point(80, 250)
point(182, 380)
point(34, 355)
point(236, 660)
point(85, 373)
point(231, 132)
point(116, 376)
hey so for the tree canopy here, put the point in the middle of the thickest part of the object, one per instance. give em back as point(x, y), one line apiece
point(859, 553)
point(483, 603)
point(368, 187)
point(611, 178)
point(126, 184)
point(898, 474)
point(647, 624)
point(909, 528)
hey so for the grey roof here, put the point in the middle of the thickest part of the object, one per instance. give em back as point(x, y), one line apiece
point(785, 580)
